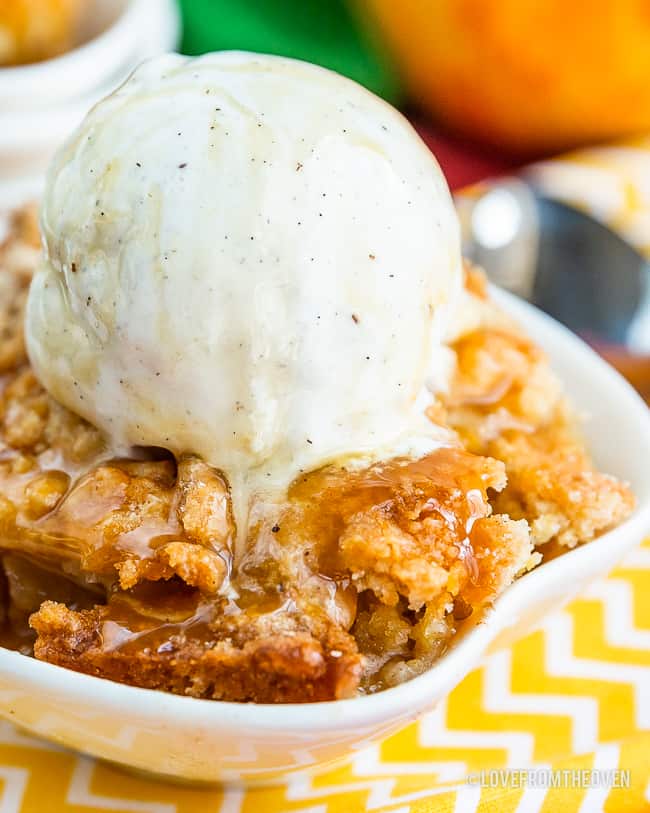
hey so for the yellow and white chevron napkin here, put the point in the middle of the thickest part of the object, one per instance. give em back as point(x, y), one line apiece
point(573, 696)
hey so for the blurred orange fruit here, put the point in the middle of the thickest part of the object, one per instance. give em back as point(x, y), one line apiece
point(525, 75)
point(32, 30)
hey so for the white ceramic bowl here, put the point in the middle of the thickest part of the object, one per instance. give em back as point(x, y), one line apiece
point(41, 103)
point(203, 740)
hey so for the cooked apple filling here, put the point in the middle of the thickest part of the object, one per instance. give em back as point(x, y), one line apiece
point(127, 568)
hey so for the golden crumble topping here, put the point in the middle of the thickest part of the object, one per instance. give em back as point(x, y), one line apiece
point(505, 401)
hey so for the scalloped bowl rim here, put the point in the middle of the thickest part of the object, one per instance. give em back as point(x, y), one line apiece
point(412, 696)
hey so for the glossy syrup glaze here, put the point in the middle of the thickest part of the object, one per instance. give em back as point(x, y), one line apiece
point(293, 564)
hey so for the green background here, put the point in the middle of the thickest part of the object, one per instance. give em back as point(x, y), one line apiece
point(324, 32)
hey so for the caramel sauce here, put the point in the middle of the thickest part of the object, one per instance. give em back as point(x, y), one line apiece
point(163, 616)
point(27, 582)
point(82, 524)
point(410, 487)
point(293, 563)
point(153, 615)
point(293, 560)
point(299, 542)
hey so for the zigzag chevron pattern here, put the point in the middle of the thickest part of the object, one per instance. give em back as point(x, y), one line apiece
point(573, 695)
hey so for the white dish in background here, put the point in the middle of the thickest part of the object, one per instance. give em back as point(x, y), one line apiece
point(210, 741)
point(41, 103)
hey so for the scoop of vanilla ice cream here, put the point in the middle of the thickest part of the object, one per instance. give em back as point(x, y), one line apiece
point(248, 258)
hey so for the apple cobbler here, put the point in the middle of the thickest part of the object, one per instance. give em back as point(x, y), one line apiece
point(128, 569)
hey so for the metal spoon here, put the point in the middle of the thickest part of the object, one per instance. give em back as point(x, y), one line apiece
point(568, 264)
